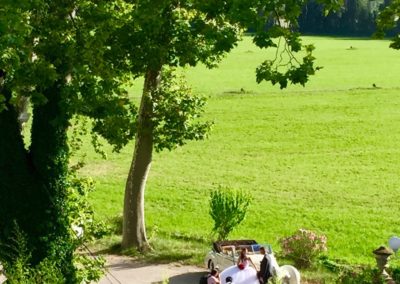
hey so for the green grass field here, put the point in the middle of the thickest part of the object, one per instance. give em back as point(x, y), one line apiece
point(325, 157)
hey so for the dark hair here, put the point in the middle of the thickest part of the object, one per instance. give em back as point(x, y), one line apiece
point(242, 253)
point(214, 272)
point(228, 280)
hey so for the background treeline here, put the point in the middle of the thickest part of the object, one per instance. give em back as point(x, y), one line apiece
point(355, 18)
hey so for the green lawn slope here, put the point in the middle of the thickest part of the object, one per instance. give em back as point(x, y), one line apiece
point(325, 157)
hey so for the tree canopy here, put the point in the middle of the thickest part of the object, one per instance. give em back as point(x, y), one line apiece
point(389, 20)
point(52, 54)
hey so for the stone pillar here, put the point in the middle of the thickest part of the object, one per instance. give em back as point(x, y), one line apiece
point(382, 255)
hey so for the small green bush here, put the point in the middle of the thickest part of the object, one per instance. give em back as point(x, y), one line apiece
point(303, 247)
point(45, 272)
point(228, 209)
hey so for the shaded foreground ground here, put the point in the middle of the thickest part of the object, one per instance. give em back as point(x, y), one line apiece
point(124, 270)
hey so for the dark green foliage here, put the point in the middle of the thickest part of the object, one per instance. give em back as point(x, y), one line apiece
point(49, 159)
point(228, 209)
point(354, 18)
point(352, 274)
point(81, 215)
point(48, 253)
point(20, 270)
point(361, 275)
point(388, 21)
point(17, 182)
point(296, 72)
point(66, 78)
point(395, 274)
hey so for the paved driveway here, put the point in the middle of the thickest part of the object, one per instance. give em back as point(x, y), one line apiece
point(126, 271)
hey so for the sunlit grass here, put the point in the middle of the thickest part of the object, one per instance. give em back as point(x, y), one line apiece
point(325, 157)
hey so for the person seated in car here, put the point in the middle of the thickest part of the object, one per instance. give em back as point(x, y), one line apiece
point(243, 260)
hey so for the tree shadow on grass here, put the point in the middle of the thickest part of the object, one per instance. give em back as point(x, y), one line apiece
point(168, 257)
point(162, 252)
point(167, 247)
point(113, 249)
point(115, 224)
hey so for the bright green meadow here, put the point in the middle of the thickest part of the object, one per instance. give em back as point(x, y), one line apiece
point(324, 157)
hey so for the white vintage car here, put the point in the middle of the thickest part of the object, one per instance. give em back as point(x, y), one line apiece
point(225, 254)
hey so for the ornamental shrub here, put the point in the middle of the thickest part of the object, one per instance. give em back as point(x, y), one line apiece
point(228, 209)
point(303, 247)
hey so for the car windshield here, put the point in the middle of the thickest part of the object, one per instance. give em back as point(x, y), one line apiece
point(253, 249)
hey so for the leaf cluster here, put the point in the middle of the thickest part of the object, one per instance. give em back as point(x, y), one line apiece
point(67, 44)
point(388, 19)
point(176, 113)
point(296, 73)
point(181, 33)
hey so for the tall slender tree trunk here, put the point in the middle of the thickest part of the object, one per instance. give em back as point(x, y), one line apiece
point(134, 229)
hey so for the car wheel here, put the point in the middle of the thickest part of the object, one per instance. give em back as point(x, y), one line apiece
point(211, 265)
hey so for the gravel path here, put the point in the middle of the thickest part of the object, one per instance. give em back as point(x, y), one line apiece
point(127, 271)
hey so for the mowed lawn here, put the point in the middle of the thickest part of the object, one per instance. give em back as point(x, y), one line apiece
point(325, 157)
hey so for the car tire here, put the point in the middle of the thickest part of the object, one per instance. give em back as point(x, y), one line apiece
point(211, 265)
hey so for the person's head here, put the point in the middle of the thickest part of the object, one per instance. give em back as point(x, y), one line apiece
point(214, 272)
point(262, 250)
point(228, 280)
point(243, 253)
